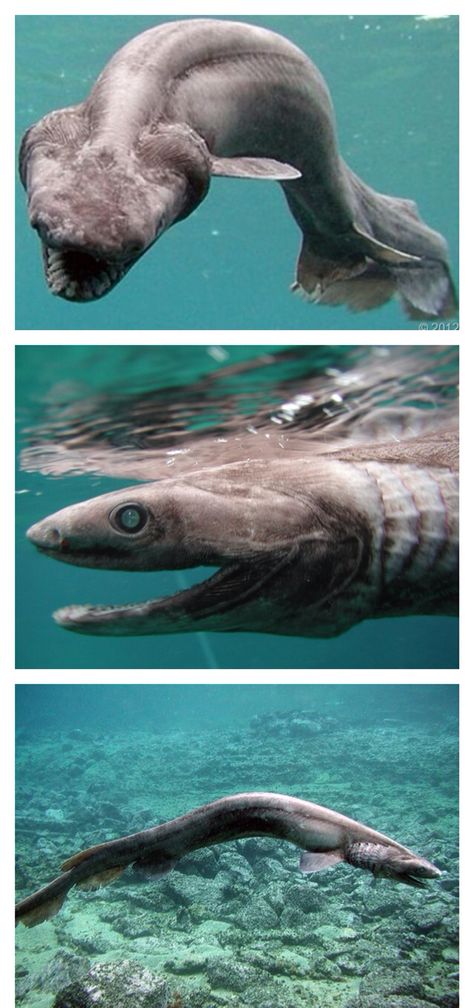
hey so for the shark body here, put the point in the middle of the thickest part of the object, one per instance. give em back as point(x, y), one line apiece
point(327, 837)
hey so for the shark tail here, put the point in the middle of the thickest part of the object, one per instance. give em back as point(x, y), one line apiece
point(42, 911)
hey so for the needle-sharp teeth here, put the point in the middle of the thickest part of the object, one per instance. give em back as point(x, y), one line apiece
point(85, 288)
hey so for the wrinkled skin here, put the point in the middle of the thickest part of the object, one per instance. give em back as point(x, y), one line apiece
point(97, 209)
point(306, 545)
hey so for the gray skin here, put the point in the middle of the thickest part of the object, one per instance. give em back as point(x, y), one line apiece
point(306, 544)
point(327, 838)
point(192, 99)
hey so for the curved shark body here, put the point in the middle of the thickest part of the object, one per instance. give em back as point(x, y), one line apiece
point(306, 543)
point(192, 99)
point(327, 838)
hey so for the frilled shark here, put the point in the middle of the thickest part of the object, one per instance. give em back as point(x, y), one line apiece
point(327, 837)
point(198, 98)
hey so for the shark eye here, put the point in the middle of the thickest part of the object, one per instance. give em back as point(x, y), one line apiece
point(129, 518)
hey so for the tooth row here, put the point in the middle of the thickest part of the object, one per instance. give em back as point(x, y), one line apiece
point(60, 282)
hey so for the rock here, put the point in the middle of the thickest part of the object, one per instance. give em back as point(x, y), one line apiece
point(450, 955)
point(63, 969)
point(204, 863)
point(381, 984)
point(231, 975)
point(186, 963)
point(391, 1001)
point(426, 918)
point(257, 915)
point(115, 985)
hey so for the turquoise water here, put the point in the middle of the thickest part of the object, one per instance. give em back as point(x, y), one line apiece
point(393, 81)
point(238, 924)
point(63, 396)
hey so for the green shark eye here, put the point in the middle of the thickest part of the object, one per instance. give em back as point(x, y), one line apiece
point(129, 518)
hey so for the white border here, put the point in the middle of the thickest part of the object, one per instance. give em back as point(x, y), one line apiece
point(7, 339)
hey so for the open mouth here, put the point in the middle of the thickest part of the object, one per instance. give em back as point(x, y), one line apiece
point(79, 276)
point(225, 589)
point(220, 601)
point(412, 880)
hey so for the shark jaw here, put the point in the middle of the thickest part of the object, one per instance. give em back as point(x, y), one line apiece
point(220, 602)
point(80, 276)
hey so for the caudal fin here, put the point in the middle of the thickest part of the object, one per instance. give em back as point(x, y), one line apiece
point(426, 291)
point(30, 916)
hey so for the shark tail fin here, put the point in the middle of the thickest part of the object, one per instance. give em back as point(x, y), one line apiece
point(426, 291)
point(49, 908)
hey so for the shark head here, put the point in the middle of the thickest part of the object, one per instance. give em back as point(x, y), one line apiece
point(397, 863)
point(281, 556)
point(98, 206)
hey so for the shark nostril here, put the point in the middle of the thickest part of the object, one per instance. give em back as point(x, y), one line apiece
point(54, 537)
point(46, 538)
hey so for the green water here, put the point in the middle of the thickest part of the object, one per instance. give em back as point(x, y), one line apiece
point(393, 81)
point(238, 924)
point(47, 375)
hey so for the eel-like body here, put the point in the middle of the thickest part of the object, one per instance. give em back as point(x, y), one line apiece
point(327, 837)
point(307, 542)
point(192, 99)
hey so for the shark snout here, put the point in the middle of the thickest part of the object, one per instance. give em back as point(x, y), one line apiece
point(92, 239)
point(47, 536)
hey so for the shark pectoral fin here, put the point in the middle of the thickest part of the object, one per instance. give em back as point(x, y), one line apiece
point(253, 168)
point(313, 862)
point(151, 867)
point(381, 252)
point(100, 878)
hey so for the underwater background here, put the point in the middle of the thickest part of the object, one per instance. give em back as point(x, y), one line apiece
point(238, 924)
point(77, 404)
point(394, 86)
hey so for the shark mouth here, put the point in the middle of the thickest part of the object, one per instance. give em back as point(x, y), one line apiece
point(79, 276)
point(209, 604)
point(412, 880)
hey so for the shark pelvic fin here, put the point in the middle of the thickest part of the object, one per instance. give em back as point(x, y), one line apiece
point(101, 878)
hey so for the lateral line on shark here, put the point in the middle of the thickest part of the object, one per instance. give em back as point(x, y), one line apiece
point(327, 837)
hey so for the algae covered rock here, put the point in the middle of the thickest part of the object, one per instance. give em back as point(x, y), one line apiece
point(62, 970)
point(231, 975)
point(402, 987)
point(115, 985)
